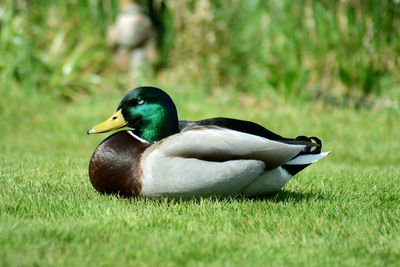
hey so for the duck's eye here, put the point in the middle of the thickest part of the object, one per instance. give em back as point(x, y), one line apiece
point(114, 118)
point(140, 102)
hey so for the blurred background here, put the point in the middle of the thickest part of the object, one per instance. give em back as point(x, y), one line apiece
point(324, 68)
point(337, 52)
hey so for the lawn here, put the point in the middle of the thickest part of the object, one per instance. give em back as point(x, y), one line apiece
point(342, 211)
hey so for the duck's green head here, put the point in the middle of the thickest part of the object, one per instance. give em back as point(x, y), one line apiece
point(148, 110)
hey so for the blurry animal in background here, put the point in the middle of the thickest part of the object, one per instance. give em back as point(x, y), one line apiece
point(133, 39)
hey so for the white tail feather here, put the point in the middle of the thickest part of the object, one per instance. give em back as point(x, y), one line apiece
point(307, 159)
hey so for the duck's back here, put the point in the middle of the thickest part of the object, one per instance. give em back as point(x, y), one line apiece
point(210, 161)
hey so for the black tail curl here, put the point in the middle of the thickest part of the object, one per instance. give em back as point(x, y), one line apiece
point(294, 169)
point(310, 150)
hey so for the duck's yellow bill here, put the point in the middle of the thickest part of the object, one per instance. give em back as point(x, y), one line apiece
point(116, 121)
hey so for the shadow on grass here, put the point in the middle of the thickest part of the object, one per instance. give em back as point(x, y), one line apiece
point(281, 196)
point(290, 196)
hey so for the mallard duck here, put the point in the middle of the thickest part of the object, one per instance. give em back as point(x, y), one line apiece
point(164, 157)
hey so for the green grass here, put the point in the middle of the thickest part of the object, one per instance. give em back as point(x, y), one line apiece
point(343, 210)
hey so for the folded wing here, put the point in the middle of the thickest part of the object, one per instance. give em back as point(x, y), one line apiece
point(220, 144)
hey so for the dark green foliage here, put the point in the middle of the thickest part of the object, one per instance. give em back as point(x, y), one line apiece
point(54, 47)
point(341, 49)
point(342, 52)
